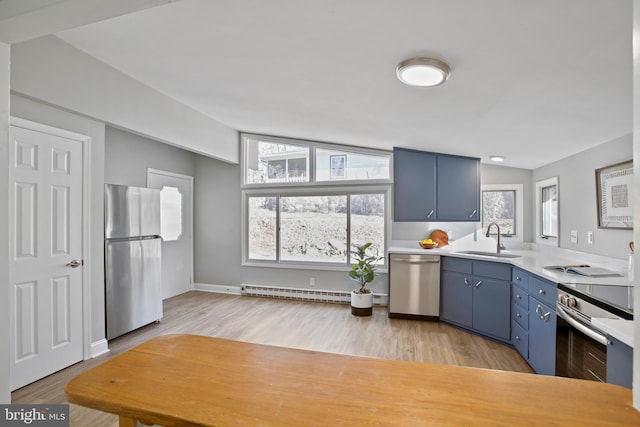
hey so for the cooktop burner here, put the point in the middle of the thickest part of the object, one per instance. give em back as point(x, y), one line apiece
point(617, 300)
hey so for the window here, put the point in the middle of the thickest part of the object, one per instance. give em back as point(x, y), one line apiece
point(274, 162)
point(499, 207)
point(547, 196)
point(332, 164)
point(271, 161)
point(307, 204)
point(314, 229)
point(503, 204)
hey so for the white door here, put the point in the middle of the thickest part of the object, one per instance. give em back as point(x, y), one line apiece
point(176, 200)
point(46, 254)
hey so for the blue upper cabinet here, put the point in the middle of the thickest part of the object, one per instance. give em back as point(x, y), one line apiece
point(435, 187)
point(414, 179)
point(458, 188)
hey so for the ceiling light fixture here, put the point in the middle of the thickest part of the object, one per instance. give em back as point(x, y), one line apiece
point(423, 72)
point(496, 158)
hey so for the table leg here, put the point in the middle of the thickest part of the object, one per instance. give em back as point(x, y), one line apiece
point(127, 422)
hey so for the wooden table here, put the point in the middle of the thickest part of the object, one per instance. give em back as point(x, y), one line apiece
point(184, 380)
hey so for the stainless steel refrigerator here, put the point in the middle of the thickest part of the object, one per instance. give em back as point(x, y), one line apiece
point(132, 258)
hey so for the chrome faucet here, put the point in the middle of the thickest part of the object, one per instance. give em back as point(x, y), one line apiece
point(500, 246)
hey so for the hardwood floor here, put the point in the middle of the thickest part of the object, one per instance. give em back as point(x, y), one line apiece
point(305, 325)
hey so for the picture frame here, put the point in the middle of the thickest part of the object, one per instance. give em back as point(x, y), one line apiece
point(614, 195)
point(338, 165)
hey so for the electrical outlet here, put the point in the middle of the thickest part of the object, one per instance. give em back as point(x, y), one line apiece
point(312, 281)
point(590, 237)
point(574, 236)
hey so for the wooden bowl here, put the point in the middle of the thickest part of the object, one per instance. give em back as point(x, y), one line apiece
point(428, 246)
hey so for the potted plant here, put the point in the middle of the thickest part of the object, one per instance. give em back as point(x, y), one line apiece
point(363, 272)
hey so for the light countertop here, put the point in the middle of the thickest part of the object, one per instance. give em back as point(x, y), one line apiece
point(533, 258)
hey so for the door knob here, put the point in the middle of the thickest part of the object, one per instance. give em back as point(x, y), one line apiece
point(74, 264)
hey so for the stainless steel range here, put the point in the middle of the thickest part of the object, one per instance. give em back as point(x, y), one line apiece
point(581, 349)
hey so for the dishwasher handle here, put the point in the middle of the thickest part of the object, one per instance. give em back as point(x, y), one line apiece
point(416, 261)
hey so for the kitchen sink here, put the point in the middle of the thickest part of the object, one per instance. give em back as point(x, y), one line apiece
point(490, 254)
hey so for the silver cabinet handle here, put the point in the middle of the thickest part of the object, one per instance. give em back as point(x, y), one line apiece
point(74, 264)
point(430, 213)
point(518, 315)
point(478, 284)
point(517, 337)
point(542, 292)
point(518, 278)
point(544, 317)
point(466, 282)
point(518, 296)
point(473, 213)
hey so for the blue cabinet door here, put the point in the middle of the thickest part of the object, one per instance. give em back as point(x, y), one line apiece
point(456, 298)
point(542, 337)
point(414, 185)
point(492, 307)
point(458, 188)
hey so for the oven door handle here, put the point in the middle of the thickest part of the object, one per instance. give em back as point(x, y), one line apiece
point(582, 328)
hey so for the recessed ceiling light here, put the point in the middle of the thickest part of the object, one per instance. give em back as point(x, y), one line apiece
point(423, 72)
point(496, 158)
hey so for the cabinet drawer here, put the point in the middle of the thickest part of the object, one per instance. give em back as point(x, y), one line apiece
point(520, 315)
point(495, 270)
point(520, 297)
point(459, 265)
point(520, 339)
point(545, 291)
point(520, 278)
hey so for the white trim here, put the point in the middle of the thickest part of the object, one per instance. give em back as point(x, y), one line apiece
point(519, 189)
point(85, 140)
point(99, 348)
point(219, 289)
point(190, 179)
point(548, 241)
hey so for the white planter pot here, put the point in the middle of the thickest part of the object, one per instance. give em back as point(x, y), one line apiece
point(361, 304)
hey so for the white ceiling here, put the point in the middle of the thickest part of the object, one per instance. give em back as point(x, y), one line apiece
point(534, 81)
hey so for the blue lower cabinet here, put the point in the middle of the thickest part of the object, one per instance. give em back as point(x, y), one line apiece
point(542, 337)
point(476, 295)
point(619, 363)
point(456, 303)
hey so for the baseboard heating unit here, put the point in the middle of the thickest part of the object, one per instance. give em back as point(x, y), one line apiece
point(340, 297)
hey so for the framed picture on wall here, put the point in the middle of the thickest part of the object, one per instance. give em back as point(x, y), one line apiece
point(614, 187)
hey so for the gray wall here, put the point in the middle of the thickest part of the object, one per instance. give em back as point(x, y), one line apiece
point(577, 197)
point(127, 157)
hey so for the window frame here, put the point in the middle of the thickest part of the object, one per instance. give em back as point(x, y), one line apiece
point(540, 238)
point(518, 235)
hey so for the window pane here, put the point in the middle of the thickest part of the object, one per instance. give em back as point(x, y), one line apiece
point(499, 207)
point(367, 223)
point(170, 214)
point(262, 228)
point(549, 211)
point(270, 162)
point(313, 229)
point(332, 165)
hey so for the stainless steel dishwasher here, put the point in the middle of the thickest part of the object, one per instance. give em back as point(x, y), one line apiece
point(414, 286)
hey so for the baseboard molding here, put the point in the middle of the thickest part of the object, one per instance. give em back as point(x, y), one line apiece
point(220, 289)
point(99, 347)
